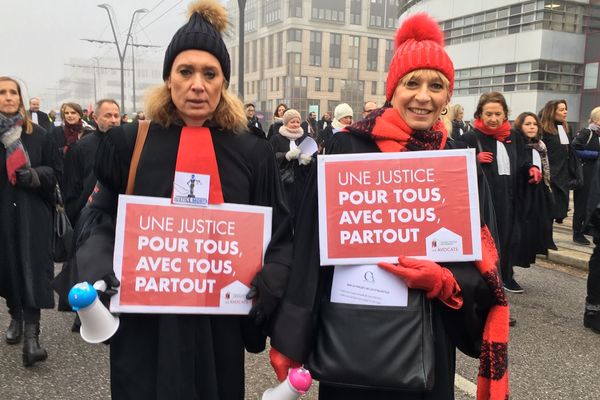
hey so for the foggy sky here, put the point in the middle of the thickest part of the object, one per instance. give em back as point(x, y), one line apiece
point(39, 36)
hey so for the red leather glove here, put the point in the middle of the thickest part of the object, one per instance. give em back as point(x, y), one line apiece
point(281, 364)
point(429, 276)
point(485, 157)
point(535, 175)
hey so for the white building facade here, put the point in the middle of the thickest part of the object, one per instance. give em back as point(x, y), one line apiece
point(531, 51)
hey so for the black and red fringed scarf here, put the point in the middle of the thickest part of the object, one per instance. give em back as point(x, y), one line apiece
point(390, 132)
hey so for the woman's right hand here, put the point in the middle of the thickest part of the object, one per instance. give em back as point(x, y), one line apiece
point(292, 154)
point(485, 157)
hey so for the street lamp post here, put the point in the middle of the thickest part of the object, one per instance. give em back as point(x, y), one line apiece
point(242, 7)
point(108, 9)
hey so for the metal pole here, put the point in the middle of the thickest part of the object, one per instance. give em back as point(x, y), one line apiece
point(121, 55)
point(242, 7)
point(133, 72)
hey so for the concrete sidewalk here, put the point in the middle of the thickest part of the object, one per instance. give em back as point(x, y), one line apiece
point(569, 252)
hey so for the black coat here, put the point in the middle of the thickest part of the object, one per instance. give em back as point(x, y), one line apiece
point(26, 266)
point(310, 128)
point(43, 120)
point(534, 215)
point(459, 128)
point(309, 286)
point(274, 129)
point(79, 178)
point(180, 356)
point(293, 190)
point(558, 157)
point(503, 188)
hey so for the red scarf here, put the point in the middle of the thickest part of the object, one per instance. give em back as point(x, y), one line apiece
point(500, 133)
point(391, 133)
point(72, 132)
point(492, 382)
point(196, 154)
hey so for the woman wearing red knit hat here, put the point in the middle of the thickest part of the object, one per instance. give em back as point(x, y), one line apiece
point(372, 352)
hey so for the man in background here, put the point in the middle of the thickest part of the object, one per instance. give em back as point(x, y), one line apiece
point(310, 125)
point(37, 116)
point(368, 107)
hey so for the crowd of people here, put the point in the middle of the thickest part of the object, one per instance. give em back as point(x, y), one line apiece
point(525, 174)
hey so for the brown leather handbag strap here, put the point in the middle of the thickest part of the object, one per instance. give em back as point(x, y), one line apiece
point(143, 127)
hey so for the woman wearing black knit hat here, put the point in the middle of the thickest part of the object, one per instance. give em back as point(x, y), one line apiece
point(368, 351)
point(160, 356)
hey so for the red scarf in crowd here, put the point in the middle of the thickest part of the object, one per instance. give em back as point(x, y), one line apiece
point(500, 133)
point(390, 132)
point(196, 154)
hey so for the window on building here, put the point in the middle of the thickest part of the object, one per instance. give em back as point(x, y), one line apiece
point(270, 44)
point(590, 80)
point(317, 84)
point(330, 85)
point(271, 11)
point(335, 50)
point(389, 53)
point(374, 88)
point(330, 10)
point(315, 48)
point(384, 14)
point(353, 52)
point(372, 53)
point(294, 35)
point(296, 8)
point(355, 12)
point(280, 49)
point(254, 55)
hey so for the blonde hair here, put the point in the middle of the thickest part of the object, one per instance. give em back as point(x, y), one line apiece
point(595, 115)
point(229, 113)
point(22, 110)
point(449, 116)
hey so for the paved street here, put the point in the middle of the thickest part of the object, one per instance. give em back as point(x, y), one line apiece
point(551, 355)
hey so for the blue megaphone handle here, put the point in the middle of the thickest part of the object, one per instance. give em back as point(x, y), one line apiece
point(82, 295)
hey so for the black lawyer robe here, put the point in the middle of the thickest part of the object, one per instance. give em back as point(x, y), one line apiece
point(309, 285)
point(558, 157)
point(180, 356)
point(293, 190)
point(534, 214)
point(504, 191)
point(26, 218)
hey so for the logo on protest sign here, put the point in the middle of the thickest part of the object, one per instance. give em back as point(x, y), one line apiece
point(443, 242)
point(178, 259)
point(377, 206)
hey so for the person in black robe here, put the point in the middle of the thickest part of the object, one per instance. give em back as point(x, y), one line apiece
point(254, 125)
point(419, 86)
point(534, 199)
point(292, 162)
point(310, 125)
point(79, 160)
point(29, 165)
point(498, 152)
point(553, 115)
point(277, 120)
point(37, 116)
point(187, 356)
point(587, 147)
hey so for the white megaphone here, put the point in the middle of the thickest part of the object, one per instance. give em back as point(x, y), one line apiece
point(97, 323)
point(295, 385)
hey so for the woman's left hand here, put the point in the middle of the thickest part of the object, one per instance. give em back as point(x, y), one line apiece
point(305, 159)
point(429, 276)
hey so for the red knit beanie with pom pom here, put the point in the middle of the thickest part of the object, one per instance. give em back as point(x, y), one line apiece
point(419, 45)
